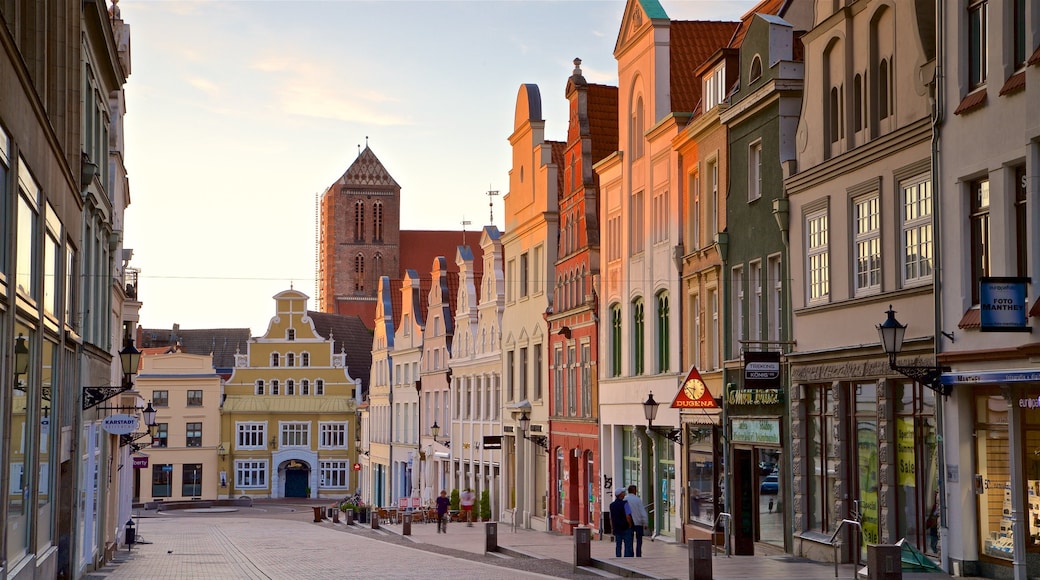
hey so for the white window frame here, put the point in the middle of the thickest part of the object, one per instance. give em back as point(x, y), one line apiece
point(254, 430)
point(866, 244)
point(738, 310)
point(755, 310)
point(754, 170)
point(916, 229)
point(333, 434)
point(715, 87)
point(817, 257)
point(294, 434)
point(334, 474)
point(660, 217)
point(776, 294)
point(255, 467)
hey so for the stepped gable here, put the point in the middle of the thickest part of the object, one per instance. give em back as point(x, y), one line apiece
point(222, 343)
point(367, 171)
point(691, 43)
point(350, 336)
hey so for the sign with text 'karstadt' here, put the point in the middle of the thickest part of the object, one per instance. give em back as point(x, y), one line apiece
point(120, 424)
point(694, 394)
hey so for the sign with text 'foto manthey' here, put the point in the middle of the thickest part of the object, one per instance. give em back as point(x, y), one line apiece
point(120, 424)
point(1003, 304)
point(694, 394)
point(762, 369)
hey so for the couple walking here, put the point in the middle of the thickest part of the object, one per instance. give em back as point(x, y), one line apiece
point(628, 518)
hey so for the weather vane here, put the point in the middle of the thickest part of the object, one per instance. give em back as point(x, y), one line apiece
point(491, 193)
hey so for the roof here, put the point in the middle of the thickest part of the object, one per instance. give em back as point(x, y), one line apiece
point(692, 42)
point(559, 148)
point(350, 336)
point(769, 7)
point(420, 247)
point(222, 343)
point(603, 120)
point(653, 9)
point(367, 171)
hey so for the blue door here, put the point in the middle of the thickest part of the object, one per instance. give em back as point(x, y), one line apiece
point(296, 482)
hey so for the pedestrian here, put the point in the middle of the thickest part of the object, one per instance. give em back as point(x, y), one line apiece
point(442, 512)
point(621, 523)
point(466, 503)
point(640, 518)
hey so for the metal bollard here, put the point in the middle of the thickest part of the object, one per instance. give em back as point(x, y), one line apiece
point(318, 513)
point(373, 516)
point(406, 525)
point(582, 546)
point(700, 559)
point(335, 515)
point(884, 562)
point(490, 537)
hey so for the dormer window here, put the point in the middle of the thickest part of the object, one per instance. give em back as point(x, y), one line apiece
point(756, 70)
point(715, 87)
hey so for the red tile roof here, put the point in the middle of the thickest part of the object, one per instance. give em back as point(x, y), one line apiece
point(690, 45)
point(420, 247)
point(558, 150)
point(603, 120)
point(773, 7)
point(971, 102)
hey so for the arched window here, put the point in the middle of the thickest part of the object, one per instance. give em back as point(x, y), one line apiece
point(260, 386)
point(884, 82)
point(637, 129)
point(305, 387)
point(377, 221)
point(274, 359)
point(290, 334)
point(663, 346)
point(274, 387)
point(857, 103)
point(638, 337)
point(377, 266)
point(835, 118)
point(359, 273)
point(359, 220)
point(290, 387)
point(615, 340)
point(756, 70)
point(305, 359)
point(290, 360)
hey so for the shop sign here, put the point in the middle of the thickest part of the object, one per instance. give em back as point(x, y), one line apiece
point(750, 397)
point(492, 442)
point(1029, 403)
point(1003, 304)
point(694, 394)
point(120, 424)
point(756, 431)
point(762, 370)
point(140, 461)
point(978, 378)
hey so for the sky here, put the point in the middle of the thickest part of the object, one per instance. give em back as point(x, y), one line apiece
point(240, 113)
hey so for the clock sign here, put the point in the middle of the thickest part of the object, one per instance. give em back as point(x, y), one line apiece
point(694, 394)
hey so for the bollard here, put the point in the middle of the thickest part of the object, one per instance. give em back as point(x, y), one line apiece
point(490, 537)
point(373, 516)
point(700, 559)
point(348, 517)
point(335, 515)
point(884, 562)
point(582, 546)
point(406, 525)
point(317, 513)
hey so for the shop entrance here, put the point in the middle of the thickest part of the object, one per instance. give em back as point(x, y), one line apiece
point(758, 498)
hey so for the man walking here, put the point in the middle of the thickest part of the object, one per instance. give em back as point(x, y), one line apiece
point(621, 523)
point(442, 512)
point(640, 518)
point(466, 503)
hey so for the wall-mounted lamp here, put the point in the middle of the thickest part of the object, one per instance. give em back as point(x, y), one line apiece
point(130, 360)
point(435, 430)
point(539, 440)
point(891, 333)
point(722, 245)
point(221, 451)
point(650, 410)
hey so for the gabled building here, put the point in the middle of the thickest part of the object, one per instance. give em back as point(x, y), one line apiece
point(640, 189)
point(575, 498)
point(529, 249)
point(861, 234)
point(288, 418)
point(404, 363)
point(473, 436)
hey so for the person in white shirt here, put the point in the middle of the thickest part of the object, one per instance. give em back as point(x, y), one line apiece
point(466, 501)
point(640, 518)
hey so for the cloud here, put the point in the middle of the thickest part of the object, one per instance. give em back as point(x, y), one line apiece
point(206, 86)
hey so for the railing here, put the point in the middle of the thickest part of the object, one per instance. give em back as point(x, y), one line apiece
point(835, 543)
point(728, 518)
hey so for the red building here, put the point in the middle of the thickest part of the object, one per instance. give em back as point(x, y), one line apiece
point(576, 497)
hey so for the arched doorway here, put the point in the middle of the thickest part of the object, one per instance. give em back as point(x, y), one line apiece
point(297, 476)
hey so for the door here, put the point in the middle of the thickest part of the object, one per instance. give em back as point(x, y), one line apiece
point(745, 492)
point(296, 481)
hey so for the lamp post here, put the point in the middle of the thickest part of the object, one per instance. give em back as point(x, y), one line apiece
point(892, 333)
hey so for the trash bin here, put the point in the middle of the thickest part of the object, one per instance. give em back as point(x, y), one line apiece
point(582, 546)
point(317, 513)
point(131, 533)
point(700, 559)
point(406, 525)
point(884, 562)
point(490, 537)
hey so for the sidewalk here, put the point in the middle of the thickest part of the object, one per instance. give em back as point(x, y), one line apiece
point(661, 559)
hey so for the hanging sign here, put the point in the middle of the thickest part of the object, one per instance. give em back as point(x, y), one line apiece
point(694, 394)
point(120, 424)
point(1003, 304)
point(357, 467)
point(762, 370)
point(140, 461)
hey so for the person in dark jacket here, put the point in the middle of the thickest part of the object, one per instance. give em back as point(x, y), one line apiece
point(621, 523)
point(443, 503)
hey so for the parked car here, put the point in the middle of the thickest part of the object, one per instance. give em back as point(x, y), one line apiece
point(766, 467)
point(770, 485)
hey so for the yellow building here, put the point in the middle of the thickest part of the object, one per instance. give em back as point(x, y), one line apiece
point(184, 390)
point(288, 421)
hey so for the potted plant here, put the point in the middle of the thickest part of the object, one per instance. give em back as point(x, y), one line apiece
point(485, 506)
point(354, 504)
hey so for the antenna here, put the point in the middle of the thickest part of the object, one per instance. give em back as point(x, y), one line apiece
point(465, 222)
point(491, 193)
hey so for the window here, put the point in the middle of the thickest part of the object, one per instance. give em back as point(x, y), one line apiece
point(274, 388)
point(755, 72)
point(867, 241)
point(980, 242)
point(857, 103)
point(319, 387)
point(161, 398)
point(27, 218)
point(558, 380)
point(334, 473)
point(290, 335)
point(305, 359)
point(614, 237)
point(522, 374)
point(250, 474)
point(290, 360)
point(332, 435)
point(193, 434)
point(821, 466)
point(162, 436)
point(663, 330)
point(638, 128)
point(1019, 184)
point(635, 226)
point(359, 273)
point(275, 360)
point(161, 476)
point(638, 337)
point(572, 382)
point(739, 309)
point(194, 398)
point(755, 311)
point(296, 434)
point(586, 380)
point(713, 340)
point(510, 377)
point(696, 340)
point(776, 298)
point(377, 221)
point(1018, 50)
point(305, 387)
point(537, 378)
point(259, 387)
point(660, 216)
point(713, 199)
point(695, 213)
point(524, 266)
point(715, 87)
point(835, 114)
point(537, 267)
point(978, 51)
point(251, 435)
point(615, 340)
point(191, 480)
point(755, 171)
point(359, 221)
point(917, 231)
point(290, 387)
point(818, 256)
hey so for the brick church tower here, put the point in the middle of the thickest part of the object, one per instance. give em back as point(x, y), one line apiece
point(359, 237)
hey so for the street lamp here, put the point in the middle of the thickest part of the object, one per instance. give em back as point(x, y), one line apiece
point(892, 333)
point(650, 410)
point(435, 430)
point(21, 356)
point(130, 359)
point(539, 440)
